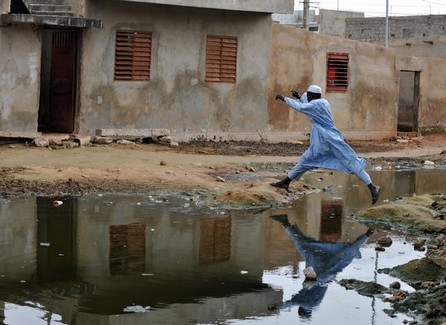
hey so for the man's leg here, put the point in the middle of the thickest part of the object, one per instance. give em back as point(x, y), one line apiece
point(375, 191)
point(294, 174)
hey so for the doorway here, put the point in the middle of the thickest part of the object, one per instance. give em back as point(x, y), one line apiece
point(57, 109)
point(408, 103)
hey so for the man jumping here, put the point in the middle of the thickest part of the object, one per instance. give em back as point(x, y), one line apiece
point(328, 148)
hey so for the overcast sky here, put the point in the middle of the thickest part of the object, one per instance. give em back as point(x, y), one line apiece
point(378, 7)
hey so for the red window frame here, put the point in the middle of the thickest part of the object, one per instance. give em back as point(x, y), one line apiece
point(337, 72)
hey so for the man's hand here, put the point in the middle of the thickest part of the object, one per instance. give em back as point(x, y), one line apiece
point(280, 97)
point(295, 94)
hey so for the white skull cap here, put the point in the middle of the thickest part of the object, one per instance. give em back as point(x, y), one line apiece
point(315, 89)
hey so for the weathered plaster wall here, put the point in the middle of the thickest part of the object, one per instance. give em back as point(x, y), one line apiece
point(432, 116)
point(4, 6)
point(432, 47)
point(332, 22)
point(268, 6)
point(176, 97)
point(19, 79)
point(368, 110)
point(270, 61)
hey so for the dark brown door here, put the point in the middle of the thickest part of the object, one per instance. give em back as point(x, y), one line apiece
point(62, 82)
point(408, 109)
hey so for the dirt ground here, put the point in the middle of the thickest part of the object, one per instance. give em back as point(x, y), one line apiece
point(228, 171)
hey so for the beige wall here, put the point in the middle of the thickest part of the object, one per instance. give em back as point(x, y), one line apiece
point(19, 79)
point(432, 112)
point(271, 60)
point(4, 6)
point(368, 110)
point(279, 6)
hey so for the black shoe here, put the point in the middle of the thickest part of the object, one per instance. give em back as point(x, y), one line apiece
point(280, 184)
point(375, 194)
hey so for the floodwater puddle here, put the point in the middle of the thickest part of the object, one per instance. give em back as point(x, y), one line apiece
point(118, 259)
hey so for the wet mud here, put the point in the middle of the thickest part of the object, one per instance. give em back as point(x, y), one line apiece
point(247, 186)
point(421, 218)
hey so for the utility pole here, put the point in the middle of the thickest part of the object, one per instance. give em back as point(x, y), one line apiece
point(305, 14)
point(387, 23)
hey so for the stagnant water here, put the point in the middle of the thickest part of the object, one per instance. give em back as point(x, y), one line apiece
point(170, 260)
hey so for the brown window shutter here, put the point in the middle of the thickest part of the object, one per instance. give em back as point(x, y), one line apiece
point(221, 59)
point(337, 72)
point(133, 55)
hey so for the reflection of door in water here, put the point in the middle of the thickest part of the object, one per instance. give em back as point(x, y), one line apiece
point(56, 239)
point(332, 212)
point(408, 101)
point(57, 106)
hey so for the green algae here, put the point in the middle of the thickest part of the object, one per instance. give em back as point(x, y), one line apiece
point(416, 213)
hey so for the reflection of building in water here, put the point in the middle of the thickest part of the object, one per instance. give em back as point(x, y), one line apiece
point(215, 240)
point(110, 253)
point(127, 248)
point(331, 219)
point(56, 235)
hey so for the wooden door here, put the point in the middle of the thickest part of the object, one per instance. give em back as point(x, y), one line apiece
point(63, 82)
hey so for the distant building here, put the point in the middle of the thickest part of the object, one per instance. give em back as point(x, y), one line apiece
point(296, 19)
point(329, 22)
point(373, 30)
point(333, 22)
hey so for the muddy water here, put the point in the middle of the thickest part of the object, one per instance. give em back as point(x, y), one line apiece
point(170, 260)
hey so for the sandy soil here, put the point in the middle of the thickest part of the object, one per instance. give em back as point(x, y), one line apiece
point(230, 171)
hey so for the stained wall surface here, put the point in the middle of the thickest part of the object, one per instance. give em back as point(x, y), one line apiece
point(176, 97)
point(271, 59)
point(367, 110)
point(19, 79)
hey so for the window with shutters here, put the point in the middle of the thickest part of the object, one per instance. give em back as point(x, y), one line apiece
point(221, 59)
point(337, 72)
point(132, 55)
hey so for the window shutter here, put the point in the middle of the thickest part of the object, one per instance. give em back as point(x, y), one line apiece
point(133, 55)
point(337, 72)
point(221, 59)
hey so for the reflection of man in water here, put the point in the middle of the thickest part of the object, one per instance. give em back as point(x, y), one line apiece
point(326, 258)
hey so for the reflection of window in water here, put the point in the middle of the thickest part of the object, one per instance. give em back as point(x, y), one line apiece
point(331, 220)
point(127, 248)
point(215, 240)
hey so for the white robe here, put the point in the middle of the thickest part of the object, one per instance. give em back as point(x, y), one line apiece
point(327, 149)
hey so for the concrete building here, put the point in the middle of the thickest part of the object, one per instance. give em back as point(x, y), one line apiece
point(208, 69)
point(373, 30)
point(296, 19)
point(329, 22)
point(420, 47)
point(359, 80)
point(194, 67)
